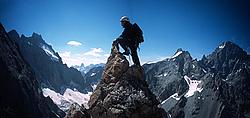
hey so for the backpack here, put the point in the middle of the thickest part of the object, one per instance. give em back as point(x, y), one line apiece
point(138, 33)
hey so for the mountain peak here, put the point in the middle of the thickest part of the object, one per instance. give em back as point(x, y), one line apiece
point(36, 35)
point(14, 35)
point(177, 53)
point(230, 49)
point(180, 53)
point(227, 44)
point(179, 50)
point(14, 32)
point(225, 56)
point(122, 92)
point(35, 39)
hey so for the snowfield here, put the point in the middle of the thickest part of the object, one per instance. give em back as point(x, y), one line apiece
point(70, 96)
point(194, 85)
point(50, 53)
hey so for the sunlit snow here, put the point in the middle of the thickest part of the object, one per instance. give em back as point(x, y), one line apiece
point(177, 54)
point(94, 86)
point(164, 75)
point(64, 101)
point(175, 96)
point(194, 85)
point(92, 74)
point(50, 53)
point(222, 46)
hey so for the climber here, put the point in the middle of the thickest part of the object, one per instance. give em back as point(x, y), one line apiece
point(130, 39)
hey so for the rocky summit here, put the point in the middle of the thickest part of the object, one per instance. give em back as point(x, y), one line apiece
point(122, 93)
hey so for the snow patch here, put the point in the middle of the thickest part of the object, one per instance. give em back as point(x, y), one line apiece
point(222, 46)
point(94, 86)
point(151, 62)
point(174, 96)
point(50, 53)
point(193, 66)
point(29, 43)
point(194, 85)
point(177, 54)
point(64, 101)
point(204, 70)
point(92, 74)
point(76, 96)
point(162, 75)
point(56, 97)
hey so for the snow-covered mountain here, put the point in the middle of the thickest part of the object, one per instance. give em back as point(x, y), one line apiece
point(217, 86)
point(21, 95)
point(84, 69)
point(47, 64)
point(51, 73)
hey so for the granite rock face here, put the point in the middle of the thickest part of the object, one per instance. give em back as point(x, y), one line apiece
point(123, 93)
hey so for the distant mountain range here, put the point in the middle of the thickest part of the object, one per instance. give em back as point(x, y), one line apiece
point(217, 86)
point(47, 64)
point(55, 78)
point(84, 69)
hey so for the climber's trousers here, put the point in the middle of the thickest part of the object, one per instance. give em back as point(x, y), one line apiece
point(124, 43)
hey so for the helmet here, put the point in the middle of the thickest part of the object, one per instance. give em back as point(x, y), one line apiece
point(124, 18)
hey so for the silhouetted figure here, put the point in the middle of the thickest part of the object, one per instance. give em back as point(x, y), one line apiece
point(130, 39)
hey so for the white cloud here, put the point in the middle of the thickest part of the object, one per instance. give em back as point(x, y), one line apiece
point(65, 54)
point(93, 56)
point(96, 52)
point(74, 43)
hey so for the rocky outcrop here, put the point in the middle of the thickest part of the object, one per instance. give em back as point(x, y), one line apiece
point(21, 95)
point(77, 111)
point(123, 93)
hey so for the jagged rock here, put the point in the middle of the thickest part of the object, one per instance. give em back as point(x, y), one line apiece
point(77, 111)
point(123, 93)
point(178, 110)
point(117, 64)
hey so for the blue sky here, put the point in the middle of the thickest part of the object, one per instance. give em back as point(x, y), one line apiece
point(197, 26)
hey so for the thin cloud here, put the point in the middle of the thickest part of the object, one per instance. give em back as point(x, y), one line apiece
point(96, 52)
point(93, 56)
point(74, 43)
point(150, 60)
